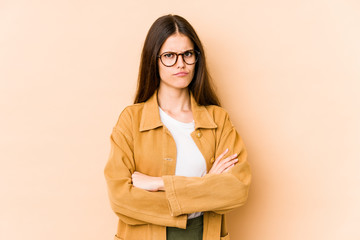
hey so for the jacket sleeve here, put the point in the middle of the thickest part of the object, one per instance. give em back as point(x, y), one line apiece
point(133, 205)
point(219, 193)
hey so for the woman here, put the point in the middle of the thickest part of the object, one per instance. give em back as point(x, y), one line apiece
point(163, 179)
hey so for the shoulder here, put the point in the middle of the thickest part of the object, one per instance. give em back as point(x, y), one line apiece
point(129, 115)
point(218, 113)
point(220, 116)
point(216, 109)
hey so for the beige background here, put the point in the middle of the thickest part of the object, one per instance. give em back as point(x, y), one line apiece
point(287, 72)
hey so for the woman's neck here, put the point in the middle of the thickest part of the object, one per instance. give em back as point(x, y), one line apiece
point(176, 103)
point(174, 100)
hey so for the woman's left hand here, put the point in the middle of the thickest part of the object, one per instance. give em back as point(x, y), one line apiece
point(147, 182)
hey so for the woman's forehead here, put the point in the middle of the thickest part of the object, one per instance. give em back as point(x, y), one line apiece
point(177, 43)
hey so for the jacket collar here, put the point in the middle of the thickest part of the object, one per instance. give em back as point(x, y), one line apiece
point(150, 118)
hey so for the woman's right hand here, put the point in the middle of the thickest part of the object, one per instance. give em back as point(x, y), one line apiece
point(223, 165)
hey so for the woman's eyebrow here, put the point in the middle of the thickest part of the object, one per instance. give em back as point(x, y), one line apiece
point(177, 52)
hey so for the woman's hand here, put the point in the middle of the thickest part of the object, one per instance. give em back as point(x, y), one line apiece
point(147, 182)
point(154, 184)
point(221, 166)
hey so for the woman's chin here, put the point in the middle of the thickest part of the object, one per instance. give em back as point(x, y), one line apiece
point(176, 84)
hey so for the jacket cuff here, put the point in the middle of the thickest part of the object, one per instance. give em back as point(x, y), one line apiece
point(174, 205)
point(181, 223)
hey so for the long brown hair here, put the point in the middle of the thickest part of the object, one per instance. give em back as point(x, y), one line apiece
point(149, 79)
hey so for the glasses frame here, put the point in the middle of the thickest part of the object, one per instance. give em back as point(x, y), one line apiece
point(182, 55)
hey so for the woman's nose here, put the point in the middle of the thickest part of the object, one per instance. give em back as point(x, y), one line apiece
point(180, 62)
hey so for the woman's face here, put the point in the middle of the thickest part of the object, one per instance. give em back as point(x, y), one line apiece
point(179, 75)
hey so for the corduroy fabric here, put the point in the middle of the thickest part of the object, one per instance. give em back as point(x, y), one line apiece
point(140, 142)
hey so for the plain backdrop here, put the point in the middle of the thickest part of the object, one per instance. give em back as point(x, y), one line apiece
point(288, 73)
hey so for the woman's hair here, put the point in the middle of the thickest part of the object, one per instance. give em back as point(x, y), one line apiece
point(149, 78)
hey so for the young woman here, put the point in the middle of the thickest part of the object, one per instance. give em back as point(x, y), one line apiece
point(177, 163)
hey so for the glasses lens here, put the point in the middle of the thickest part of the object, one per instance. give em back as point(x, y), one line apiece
point(190, 57)
point(168, 59)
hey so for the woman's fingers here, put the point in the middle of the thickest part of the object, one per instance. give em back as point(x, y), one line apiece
point(218, 159)
point(221, 156)
point(227, 169)
point(220, 165)
point(147, 182)
point(227, 165)
point(224, 165)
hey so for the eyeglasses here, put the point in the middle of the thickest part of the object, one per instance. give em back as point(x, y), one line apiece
point(169, 59)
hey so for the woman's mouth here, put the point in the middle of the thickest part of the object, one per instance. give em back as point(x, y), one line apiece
point(181, 74)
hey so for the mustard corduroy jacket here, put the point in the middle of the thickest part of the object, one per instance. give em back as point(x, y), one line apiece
point(140, 142)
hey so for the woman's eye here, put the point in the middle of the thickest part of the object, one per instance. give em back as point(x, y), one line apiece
point(188, 54)
point(169, 55)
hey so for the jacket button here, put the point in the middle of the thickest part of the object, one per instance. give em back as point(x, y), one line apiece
point(198, 134)
point(212, 160)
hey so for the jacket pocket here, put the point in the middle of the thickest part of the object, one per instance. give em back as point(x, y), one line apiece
point(117, 238)
point(226, 237)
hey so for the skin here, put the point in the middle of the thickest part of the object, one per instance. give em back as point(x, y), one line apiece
point(173, 94)
point(174, 99)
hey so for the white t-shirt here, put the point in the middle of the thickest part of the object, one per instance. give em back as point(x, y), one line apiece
point(189, 160)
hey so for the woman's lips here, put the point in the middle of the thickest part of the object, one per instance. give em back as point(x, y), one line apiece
point(181, 74)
